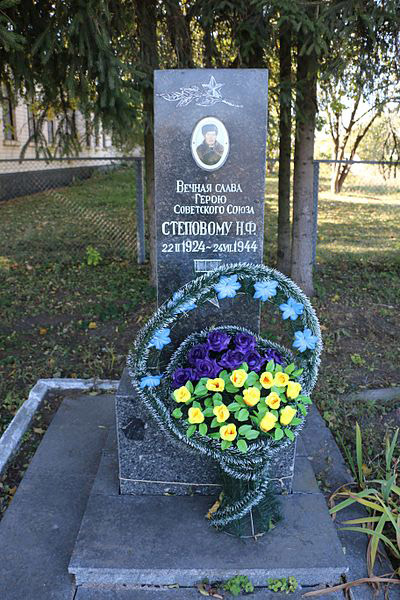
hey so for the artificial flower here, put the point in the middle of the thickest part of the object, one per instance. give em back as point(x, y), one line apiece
point(182, 394)
point(218, 340)
point(304, 339)
point(251, 396)
point(293, 389)
point(232, 359)
point(184, 307)
point(265, 289)
point(273, 400)
point(195, 415)
point(238, 377)
point(198, 351)
point(206, 367)
point(221, 412)
point(274, 355)
point(281, 379)
point(228, 432)
point(268, 422)
point(267, 380)
point(254, 360)
point(150, 381)
point(181, 376)
point(227, 287)
point(287, 415)
point(291, 309)
point(215, 385)
point(160, 339)
point(244, 342)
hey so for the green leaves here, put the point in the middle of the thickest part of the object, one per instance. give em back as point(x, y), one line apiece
point(242, 415)
point(190, 430)
point(177, 413)
point(242, 445)
point(200, 390)
point(203, 429)
point(252, 378)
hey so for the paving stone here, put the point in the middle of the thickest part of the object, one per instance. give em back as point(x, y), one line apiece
point(38, 531)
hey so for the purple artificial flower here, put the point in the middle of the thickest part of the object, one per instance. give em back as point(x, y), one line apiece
point(206, 367)
point(218, 340)
point(181, 376)
point(232, 359)
point(244, 342)
point(274, 355)
point(198, 351)
point(255, 360)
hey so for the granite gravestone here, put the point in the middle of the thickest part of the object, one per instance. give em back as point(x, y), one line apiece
point(210, 146)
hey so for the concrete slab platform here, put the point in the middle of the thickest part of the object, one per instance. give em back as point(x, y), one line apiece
point(134, 593)
point(39, 529)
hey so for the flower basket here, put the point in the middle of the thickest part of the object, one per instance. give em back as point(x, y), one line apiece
point(228, 393)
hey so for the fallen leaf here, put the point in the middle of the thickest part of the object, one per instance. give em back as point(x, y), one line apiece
point(214, 507)
point(38, 430)
point(42, 330)
point(92, 325)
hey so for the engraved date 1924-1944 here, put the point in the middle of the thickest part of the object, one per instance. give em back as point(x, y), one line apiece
point(200, 246)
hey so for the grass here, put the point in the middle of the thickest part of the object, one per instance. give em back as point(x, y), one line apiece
point(61, 317)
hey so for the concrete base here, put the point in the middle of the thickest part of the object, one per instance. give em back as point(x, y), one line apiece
point(166, 540)
point(39, 529)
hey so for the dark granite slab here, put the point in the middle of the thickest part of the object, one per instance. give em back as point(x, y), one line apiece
point(209, 214)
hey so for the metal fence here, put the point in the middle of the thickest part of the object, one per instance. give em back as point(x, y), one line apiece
point(75, 187)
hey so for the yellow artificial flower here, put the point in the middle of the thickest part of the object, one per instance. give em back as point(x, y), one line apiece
point(195, 415)
point(221, 412)
point(273, 400)
point(182, 394)
point(251, 396)
point(267, 380)
point(228, 432)
point(238, 377)
point(281, 379)
point(215, 385)
point(268, 422)
point(287, 415)
point(293, 389)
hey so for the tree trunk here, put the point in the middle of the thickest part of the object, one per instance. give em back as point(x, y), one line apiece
point(147, 26)
point(285, 149)
point(302, 233)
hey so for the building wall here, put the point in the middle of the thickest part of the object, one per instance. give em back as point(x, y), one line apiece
point(10, 149)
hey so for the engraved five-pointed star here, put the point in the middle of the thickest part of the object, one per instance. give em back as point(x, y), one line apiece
point(213, 87)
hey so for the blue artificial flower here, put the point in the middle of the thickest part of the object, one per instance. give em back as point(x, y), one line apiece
point(160, 339)
point(292, 309)
point(304, 339)
point(185, 307)
point(150, 381)
point(227, 287)
point(265, 289)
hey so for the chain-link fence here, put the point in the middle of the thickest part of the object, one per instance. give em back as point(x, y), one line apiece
point(99, 202)
point(88, 202)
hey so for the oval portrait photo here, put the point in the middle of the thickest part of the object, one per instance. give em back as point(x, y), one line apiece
point(210, 144)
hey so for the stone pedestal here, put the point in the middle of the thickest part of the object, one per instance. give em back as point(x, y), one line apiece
point(152, 463)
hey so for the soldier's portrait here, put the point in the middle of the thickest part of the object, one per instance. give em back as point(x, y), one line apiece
point(210, 143)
